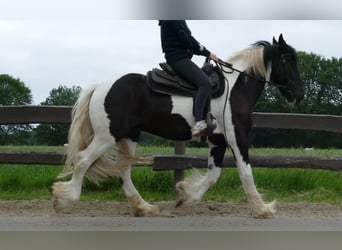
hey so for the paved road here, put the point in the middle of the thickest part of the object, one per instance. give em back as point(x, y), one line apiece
point(55, 223)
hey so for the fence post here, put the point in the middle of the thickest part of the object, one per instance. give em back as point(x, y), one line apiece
point(178, 175)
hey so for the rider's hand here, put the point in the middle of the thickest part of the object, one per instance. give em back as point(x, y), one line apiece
point(213, 57)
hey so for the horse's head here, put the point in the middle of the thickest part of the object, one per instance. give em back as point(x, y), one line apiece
point(285, 73)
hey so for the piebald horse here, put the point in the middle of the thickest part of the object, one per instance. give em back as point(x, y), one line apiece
point(107, 120)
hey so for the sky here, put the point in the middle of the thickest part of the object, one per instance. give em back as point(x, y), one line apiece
point(45, 52)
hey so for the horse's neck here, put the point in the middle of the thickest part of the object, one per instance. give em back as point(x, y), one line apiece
point(251, 90)
point(257, 87)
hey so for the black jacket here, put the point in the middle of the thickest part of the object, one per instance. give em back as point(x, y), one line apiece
point(177, 41)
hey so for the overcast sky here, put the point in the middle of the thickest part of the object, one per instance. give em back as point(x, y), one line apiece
point(47, 52)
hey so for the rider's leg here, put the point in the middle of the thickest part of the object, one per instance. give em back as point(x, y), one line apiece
point(190, 72)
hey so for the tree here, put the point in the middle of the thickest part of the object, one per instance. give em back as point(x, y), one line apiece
point(14, 92)
point(63, 96)
point(323, 84)
point(56, 134)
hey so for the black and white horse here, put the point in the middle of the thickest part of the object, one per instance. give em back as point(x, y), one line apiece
point(108, 118)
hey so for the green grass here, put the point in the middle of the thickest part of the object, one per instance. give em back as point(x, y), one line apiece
point(11, 148)
point(26, 181)
point(286, 185)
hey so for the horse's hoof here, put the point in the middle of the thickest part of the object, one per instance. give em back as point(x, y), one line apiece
point(265, 215)
point(182, 196)
point(268, 211)
point(57, 205)
point(143, 211)
point(179, 203)
point(62, 196)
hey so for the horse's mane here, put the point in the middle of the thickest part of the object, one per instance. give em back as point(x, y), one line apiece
point(252, 58)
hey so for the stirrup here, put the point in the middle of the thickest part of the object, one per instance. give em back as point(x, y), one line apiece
point(211, 124)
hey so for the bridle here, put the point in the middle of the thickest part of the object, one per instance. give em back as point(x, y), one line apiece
point(222, 65)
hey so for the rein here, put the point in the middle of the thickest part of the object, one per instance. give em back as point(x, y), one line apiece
point(222, 65)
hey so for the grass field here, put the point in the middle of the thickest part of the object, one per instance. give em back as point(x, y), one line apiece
point(287, 185)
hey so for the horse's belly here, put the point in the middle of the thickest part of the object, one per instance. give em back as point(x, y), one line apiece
point(184, 107)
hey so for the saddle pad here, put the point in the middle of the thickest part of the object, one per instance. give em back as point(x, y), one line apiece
point(169, 88)
point(164, 78)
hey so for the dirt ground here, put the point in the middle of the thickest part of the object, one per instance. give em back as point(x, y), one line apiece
point(204, 208)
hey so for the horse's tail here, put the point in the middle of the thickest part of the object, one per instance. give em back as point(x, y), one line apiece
point(81, 132)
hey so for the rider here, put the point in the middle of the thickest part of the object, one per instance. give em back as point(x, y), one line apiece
point(179, 46)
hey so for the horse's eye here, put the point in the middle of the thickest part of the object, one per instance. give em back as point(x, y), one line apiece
point(287, 57)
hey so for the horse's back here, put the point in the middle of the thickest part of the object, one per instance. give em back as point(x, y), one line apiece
point(128, 106)
point(107, 93)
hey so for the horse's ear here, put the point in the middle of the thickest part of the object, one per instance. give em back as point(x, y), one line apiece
point(274, 41)
point(282, 42)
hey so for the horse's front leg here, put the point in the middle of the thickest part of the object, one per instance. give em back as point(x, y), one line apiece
point(194, 187)
point(239, 145)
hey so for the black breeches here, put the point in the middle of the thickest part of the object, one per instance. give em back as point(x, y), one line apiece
point(190, 72)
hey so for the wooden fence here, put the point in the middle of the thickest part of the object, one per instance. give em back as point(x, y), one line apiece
point(179, 161)
point(61, 114)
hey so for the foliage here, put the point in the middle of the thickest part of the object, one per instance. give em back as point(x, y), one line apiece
point(63, 96)
point(323, 84)
point(14, 92)
point(149, 139)
point(56, 134)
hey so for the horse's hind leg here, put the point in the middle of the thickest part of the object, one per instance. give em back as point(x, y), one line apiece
point(140, 206)
point(66, 193)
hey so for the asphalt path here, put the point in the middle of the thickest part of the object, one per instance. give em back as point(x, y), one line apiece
point(202, 223)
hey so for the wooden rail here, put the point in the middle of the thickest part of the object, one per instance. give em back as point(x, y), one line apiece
point(179, 161)
point(32, 158)
point(34, 114)
point(328, 123)
point(62, 114)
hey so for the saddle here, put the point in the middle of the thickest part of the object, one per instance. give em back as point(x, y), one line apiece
point(166, 81)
